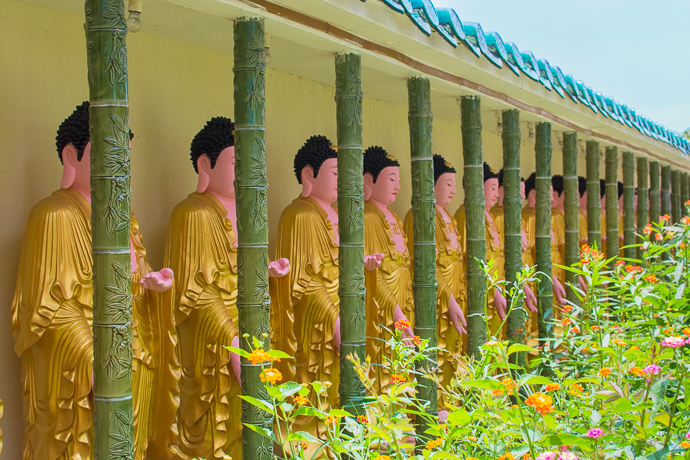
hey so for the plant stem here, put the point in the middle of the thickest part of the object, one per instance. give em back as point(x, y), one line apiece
point(673, 408)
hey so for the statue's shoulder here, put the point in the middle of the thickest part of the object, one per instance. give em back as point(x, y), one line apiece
point(194, 206)
point(57, 206)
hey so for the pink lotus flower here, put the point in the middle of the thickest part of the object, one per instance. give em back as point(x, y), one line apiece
point(595, 433)
point(548, 455)
point(568, 456)
point(651, 369)
point(673, 342)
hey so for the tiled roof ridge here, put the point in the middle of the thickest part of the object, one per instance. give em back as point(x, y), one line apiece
point(447, 23)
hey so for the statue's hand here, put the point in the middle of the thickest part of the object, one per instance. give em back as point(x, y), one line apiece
point(397, 316)
point(158, 281)
point(559, 291)
point(373, 261)
point(336, 334)
point(456, 316)
point(530, 300)
point(235, 360)
point(279, 268)
point(500, 304)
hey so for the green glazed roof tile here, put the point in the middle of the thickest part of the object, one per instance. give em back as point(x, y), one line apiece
point(515, 57)
point(498, 48)
point(474, 32)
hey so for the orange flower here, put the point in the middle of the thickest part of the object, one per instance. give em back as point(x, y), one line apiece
point(566, 321)
point(271, 376)
point(686, 331)
point(618, 342)
point(509, 384)
point(594, 328)
point(541, 402)
point(685, 444)
point(434, 443)
point(687, 203)
point(301, 400)
point(658, 237)
point(472, 438)
point(586, 249)
point(496, 392)
point(303, 445)
point(506, 456)
point(553, 387)
point(633, 348)
point(647, 229)
point(491, 343)
point(574, 330)
point(397, 378)
point(383, 457)
point(651, 279)
point(259, 356)
point(332, 419)
point(567, 308)
point(637, 371)
point(685, 220)
point(417, 340)
point(402, 324)
point(362, 419)
point(575, 389)
point(619, 263)
point(527, 457)
point(605, 372)
point(664, 218)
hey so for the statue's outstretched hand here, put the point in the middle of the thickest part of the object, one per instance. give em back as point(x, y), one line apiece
point(235, 360)
point(373, 261)
point(279, 268)
point(558, 291)
point(500, 304)
point(530, 300)
point(398, 315)
point(457, 316)
point(336, 334)
point(158, 281)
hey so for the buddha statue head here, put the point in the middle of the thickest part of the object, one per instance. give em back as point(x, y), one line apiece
point(381, 176)
point(316, 168)
point(213, 157)
point(582, 192)
point(73, 144)
point(444, 181)
point(620, 197)
point(531, 190)
point(602, 194)
point(557, 195)
point(490, 187)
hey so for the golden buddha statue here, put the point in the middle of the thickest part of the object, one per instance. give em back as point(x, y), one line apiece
point(496, 302)
point(558, 228)
point(52, 318)
point(389, 288)
point(305, 321)
point(451, 301)
point(202, 249)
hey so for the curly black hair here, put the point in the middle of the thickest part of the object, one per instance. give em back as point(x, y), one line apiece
point(74, 130)
point(314, 152)
point(620, 189)
point(531, 183)
point(217, 135)
point(581, 185)
point(489, 173)
point(602, 188)
point(441, 166)
point(500, 177)
point(376, 159)
point(557, 184)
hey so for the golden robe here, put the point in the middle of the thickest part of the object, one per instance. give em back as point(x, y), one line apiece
point(529, 257)
point(52, 317)
point(582, 224)
point(494, 251)
point(558, 244)
point(602, 227)
point(450, 277)
point(387, 287)
point(201, 251)
point(305, 303)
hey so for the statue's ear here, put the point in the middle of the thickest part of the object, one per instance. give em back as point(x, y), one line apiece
point(203, 166)
point(69, 165)
point(368, 185)
point(307, 175)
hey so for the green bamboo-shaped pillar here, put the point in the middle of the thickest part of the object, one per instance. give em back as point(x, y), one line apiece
point(106, 33)
point(666, 190)
point(253, 300)
point(654, 192)
point(675, 196)
point(423, 218)
point(572, 213)
point(593, 204)
point(629, 204)
point(348, 99)
point(512, 224)
point(543, 153)
point(642, 199)
point(475, 228)
point(684, 192)
point(611, 202)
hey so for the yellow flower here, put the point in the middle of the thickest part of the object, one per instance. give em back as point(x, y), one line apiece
point(301, 400)
point(541, 402)
point(553, 387)
point(258, 356)
point(619, 342)
point(685, 444)
point(434, 443)
point(576, 389)
point(383, 457)
point(633, 348)
point(472, 438)
point(227, 457)
point(506, 456)
point(605, 372)
point(637, 371)
point(271, 376)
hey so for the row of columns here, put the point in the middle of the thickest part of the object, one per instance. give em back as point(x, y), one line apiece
point(108, 97)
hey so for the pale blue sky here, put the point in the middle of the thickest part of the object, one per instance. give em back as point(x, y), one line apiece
point(636, 51)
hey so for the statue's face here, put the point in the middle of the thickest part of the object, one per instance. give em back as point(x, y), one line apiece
point(325, 184)
point(522, 189)
point(387, 185)
point(602, 202)
point(222, 176)
point(583, 200)
point(445, 189)
point(635, 202)
point(490, 192)
point(554, 198)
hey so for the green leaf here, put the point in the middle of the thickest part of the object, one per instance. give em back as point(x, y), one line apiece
point(658, 455)
point(239, 351)
point(259, 403)
point(257, 343)
point(566, 440)
point(339, 412)
point(516, 347)
point(459, 417)
point(262, 431)
point(487, 384)
point(278, 354)
point(535, 380)
point(302, 436)
point(289, 388)
point(309, 411)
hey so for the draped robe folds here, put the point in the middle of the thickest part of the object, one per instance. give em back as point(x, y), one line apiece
point(387, 287)
point(494, 251)
point(51, 323)
point(201, 251)
point(529, 257)
point(305, 304)
point(450, 277)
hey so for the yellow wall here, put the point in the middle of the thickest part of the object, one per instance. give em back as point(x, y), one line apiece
point(174, 89)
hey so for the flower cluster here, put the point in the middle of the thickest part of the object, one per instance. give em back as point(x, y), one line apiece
point(589, 255)
point(402, 324)
point(673, 342)
point(271, 375)
point(434, 443)
point(259, 356)
point(397, 378)
point(541, 402)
